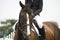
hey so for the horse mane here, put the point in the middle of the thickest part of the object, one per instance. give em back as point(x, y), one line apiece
point(52, 30)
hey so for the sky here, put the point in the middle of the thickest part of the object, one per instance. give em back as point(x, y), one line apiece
point(10, 9)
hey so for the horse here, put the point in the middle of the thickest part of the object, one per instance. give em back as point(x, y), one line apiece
point(52, 31)
point(24, 28)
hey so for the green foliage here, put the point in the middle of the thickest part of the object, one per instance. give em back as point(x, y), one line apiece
point(7, 29)
point(12, 21)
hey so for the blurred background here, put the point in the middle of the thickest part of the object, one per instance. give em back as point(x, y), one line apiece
point(10, 9)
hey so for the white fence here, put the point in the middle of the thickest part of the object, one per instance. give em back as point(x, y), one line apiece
point(9, 37)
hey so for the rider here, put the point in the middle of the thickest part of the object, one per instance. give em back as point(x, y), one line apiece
point(36, 5)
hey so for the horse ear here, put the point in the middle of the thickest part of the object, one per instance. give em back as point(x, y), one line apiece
point(21, 4)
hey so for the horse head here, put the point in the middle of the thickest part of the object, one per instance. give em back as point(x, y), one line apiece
point(24, 24)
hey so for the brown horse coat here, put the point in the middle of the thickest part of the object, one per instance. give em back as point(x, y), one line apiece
point(52, 31)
